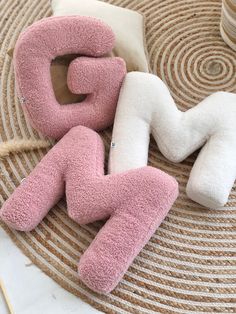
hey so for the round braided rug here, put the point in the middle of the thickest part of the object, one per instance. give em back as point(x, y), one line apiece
point(189, 265)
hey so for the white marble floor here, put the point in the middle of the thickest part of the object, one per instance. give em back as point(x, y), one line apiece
point(29, 289)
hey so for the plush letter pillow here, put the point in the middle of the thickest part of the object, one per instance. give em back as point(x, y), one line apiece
point(136, 202)
point(101, 77)
point(130, 45)
point(127, 25)
point(145, 106)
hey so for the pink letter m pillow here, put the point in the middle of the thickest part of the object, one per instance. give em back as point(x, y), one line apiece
point(135, 203)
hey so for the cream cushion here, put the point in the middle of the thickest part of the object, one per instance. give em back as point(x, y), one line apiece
point(127, 25)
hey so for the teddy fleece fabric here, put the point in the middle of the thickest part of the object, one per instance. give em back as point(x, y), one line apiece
point(134, 202)
point(145, 106)
point(46, 39)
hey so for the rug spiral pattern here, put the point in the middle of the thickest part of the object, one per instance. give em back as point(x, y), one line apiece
point(189, 265)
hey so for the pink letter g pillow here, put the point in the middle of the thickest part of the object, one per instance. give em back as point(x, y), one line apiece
point(55, 36)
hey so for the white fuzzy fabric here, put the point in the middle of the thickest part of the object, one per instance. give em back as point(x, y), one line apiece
point(145, 106)
point(127, 25)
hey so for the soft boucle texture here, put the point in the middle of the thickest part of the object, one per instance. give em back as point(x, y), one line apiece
point(46, 39)
point(145, 106)
point(59, 69)
point(136, 201)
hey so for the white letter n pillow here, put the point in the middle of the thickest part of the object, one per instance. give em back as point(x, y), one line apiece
point(145, 106)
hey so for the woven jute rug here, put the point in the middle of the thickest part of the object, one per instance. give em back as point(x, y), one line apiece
point(189, 265)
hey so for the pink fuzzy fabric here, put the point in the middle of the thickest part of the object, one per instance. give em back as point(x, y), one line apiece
point(136, 202)
point(39, 44)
